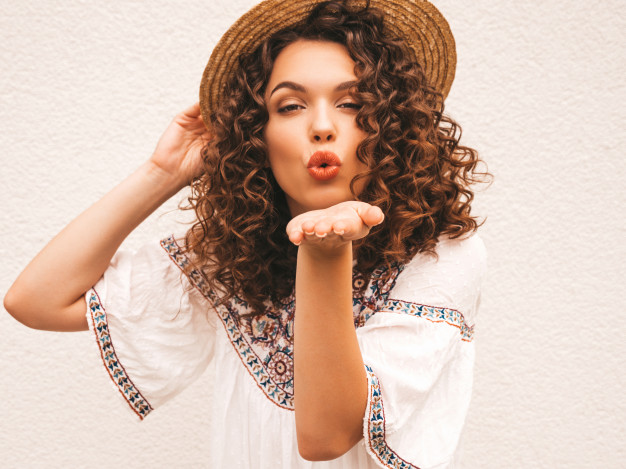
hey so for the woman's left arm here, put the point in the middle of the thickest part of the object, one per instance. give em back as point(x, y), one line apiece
point(329, 375)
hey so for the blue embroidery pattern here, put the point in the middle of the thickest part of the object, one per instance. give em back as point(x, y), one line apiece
point(269, 335)
point(116, 371)
point(376, 427)
point(433, 314)
point(264, 343)
point(273, 374)
point(368, 302)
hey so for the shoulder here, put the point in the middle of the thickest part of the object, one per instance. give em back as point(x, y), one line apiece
point(449, 279)
point(462, 256)
point(152, 274)
point(146, 261)
point(466, 256)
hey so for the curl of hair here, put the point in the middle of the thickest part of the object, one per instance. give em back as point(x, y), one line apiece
point(419, 174)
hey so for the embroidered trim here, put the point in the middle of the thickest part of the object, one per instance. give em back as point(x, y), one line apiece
point(118, 374)
point(375, 436)
point(254, 364)
point(264, 343)
point(230, 320)
point(433, 314)
point(367, 303)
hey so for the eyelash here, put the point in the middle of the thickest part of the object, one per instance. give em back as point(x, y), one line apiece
point(288, 107)
point(292, 107)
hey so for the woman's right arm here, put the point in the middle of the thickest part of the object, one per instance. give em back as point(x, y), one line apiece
point(49, 293)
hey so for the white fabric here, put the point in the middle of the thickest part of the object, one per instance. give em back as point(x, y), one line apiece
point(157, 333)
point(161, 347)
point(425, 368)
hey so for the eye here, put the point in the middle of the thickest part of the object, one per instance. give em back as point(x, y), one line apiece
point(289, 108)
point(350, 105)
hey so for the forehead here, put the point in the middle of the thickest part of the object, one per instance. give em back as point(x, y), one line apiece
point(309, 62)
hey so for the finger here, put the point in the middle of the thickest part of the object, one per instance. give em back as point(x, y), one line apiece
point(339, 227)
point(322, 228)
point(296, 237)
point(371, 215)
point(292, 231)
point(343, 228)
point(193, 110)
point(348, 228)
point(308, 227)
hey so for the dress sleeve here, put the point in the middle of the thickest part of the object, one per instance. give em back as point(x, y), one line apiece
point(418, 352)
point(153, 330)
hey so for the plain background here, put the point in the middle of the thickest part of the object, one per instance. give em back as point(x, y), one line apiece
point(86, 89)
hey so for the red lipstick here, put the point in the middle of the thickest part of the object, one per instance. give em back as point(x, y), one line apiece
point(323, 165)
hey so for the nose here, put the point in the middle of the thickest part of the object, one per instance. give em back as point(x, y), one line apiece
point(322, 126)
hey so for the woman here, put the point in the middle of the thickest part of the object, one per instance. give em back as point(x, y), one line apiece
point(330, 281)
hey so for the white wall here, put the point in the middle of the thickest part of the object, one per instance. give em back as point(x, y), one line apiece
point(86, 89)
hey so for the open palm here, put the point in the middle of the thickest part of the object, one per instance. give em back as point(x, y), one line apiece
point(336, 225)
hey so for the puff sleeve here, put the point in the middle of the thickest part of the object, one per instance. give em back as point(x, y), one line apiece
point(152, 329)
point(418, 352)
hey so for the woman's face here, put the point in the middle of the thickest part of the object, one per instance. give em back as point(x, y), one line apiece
point(311, 134)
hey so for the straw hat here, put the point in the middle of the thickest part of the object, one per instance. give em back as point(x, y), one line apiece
point(421, 25)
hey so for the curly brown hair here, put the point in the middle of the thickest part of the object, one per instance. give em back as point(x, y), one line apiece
point(419, 174)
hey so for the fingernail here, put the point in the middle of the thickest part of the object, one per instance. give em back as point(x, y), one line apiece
point(339, 232)
point(321, 235)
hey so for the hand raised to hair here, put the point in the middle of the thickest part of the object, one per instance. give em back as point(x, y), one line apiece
point(178, 152)
point(334, 226)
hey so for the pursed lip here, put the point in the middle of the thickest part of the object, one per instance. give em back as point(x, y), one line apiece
point(323, 165)
point(321, 159)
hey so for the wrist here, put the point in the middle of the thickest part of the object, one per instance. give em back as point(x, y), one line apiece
point(162, 180)
point(320, 252)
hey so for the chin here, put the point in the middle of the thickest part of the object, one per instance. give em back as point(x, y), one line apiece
point(323, 202)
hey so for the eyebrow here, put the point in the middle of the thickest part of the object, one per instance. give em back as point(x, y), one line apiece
point(297, 87)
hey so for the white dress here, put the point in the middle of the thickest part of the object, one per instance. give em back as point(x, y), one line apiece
point(157, 331)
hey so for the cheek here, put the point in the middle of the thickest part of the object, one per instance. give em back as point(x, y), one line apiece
point(275, 154)
point(359, 167)
point(272, 138)
point(359, 136)
point(282, 145)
